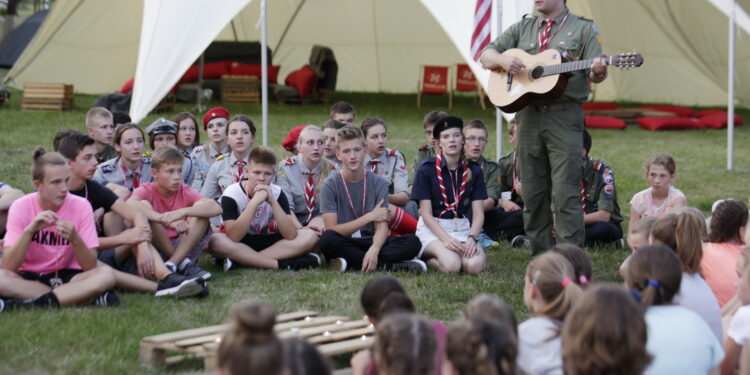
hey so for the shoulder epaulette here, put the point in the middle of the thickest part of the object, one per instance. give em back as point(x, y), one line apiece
point(392, 152)
point(289, 161)
point(199, 148)
point(221, 156)
point(423, 147)
point(146, 159)
point(585, 19)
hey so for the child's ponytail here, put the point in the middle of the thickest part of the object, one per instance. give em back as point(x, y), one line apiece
point(554, 277)
point(654, 275)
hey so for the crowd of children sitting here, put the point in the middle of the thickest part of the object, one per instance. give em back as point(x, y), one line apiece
point(106, 215)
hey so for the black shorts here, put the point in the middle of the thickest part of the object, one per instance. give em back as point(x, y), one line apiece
point(46, 278)
point(129, 265)
point(260, 242)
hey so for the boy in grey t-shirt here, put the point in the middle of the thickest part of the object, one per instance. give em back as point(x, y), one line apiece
point(354, 204)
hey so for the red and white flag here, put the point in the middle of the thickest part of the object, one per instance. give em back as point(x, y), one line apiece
point(480, 38)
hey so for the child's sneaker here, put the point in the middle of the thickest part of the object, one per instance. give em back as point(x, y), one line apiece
point(486, 242)
point(108, 298)
point(414, 265)
point(311, 260)
point(229, 265)
point(338, 264)
point(179, 286)
point(192, 271)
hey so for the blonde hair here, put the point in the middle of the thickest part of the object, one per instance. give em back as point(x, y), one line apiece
point(554, 278)
point(42, 159)
point(664, 160)
point(605, 334)
point(251, 345)
point(325, 165)
point(683, 233)
point(405, 345)
point(97, 112)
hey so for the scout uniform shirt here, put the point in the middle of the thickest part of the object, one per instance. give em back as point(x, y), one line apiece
point(203, 158)
point(108, 153)
point(509, 173)
point(114, 171)
point(599, 190)
point(391, 166)
point(576, 40)
point(292, 178)
point(492, 177)
point(225, 171)
point(423, 152)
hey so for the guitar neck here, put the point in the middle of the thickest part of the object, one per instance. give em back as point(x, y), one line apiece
point(571, 66)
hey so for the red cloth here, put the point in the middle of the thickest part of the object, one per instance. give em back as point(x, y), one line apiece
point(127, 86)
point(676, 109)
point(291, 139)
point(242, 69)
point(214, 113)
point(668, 123)
point(210, 71)
point(707, 112)
point(718, 121)
point(434, 79)
point(599, 106)
point(604, 122)
point(302, 79)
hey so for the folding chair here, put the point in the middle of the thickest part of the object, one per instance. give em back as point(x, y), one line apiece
point(466, 82)
point(434, 80)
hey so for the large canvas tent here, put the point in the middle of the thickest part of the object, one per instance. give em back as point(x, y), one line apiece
point(379, 44)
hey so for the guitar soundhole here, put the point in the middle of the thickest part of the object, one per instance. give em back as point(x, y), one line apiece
point(537, 72)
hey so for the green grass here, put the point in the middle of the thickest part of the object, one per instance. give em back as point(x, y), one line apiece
point(96, 340)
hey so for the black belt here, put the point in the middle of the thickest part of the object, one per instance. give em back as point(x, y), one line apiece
point(553, 106)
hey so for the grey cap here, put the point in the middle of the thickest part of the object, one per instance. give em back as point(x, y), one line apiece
point(162, 126)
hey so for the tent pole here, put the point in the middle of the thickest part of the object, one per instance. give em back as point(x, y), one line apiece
point(730, 99)
point(264, 69)
point(498, 114)
point(199, 90)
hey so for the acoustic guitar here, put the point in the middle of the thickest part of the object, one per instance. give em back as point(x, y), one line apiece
point(543, 77)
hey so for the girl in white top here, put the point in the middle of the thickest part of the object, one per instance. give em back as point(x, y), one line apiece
point(679, 340)
point(549, 292)
point(230, 167)
point(684, 233)
point(661, 197)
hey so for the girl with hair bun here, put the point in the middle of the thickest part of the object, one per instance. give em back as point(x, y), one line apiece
point(605, 334)
point(725, 242)
point(684, 233)
point(679, 340)
point(251, 345)
point(480, 346)
point(405, 345)
point(550, 291)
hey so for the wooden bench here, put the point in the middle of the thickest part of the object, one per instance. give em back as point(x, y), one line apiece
point(47, 96)
point(240, 89)
point(332, 334)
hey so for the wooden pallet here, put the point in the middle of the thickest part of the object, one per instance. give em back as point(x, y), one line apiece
point(240, 89)
point(332, 334)
point(47, 96)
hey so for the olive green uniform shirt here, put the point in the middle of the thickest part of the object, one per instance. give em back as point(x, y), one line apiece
point(507, 166)
point(600, 190)
point(423, 152)
point(492, 177)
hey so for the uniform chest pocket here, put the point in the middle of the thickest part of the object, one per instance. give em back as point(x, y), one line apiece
point(528, 45)
point(569, 48)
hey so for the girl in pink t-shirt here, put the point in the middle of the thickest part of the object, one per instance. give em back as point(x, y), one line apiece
point(661, 197)
point(48, 258)
point(720, 254)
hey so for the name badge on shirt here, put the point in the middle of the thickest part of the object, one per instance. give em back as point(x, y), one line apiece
point(357, 234)
point(506, 195)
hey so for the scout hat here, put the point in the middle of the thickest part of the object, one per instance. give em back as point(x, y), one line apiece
point(216, 112)
point(445, 123)
point(162, 126)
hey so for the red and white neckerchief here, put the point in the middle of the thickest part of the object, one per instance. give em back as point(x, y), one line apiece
point(134, 174)
point(374, 165)
point(364, 195)
point(240, 175)
point(309, 194)
point(456, 197)
point(545, 37)
point(583, 196)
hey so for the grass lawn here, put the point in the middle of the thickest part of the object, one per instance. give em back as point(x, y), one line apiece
point(105, 340)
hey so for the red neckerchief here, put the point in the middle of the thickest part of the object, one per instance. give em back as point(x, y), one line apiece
point(456, 198)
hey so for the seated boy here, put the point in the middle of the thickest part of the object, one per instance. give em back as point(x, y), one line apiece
point(354, 203)
point(601, 211)
point(130, 252)
point(100, 127)
point(178, 214)
point(330, 128)
point(343, 112)
point(259, 229)
point(510, 200)
point(427, 150)
point(48, 259)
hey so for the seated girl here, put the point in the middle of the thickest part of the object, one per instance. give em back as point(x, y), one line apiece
point(661, 197)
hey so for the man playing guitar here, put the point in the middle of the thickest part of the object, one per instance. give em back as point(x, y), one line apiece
point(550, 130)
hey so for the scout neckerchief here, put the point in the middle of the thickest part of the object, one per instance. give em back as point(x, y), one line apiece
point(309, 194)
point(240, 175)
point(460, 190)
point(135, 174)
point(374, 165)
point(545, 37)
point(364, 195)
point(583, 196)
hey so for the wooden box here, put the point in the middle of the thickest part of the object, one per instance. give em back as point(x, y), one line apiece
point(240, 89)
point(47, 96)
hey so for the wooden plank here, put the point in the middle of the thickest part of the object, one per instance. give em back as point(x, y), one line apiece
point(348, 346)
point(308, 322)
point(151, 356)
point(44, 107)
point(343, 335)
point(325, 330)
